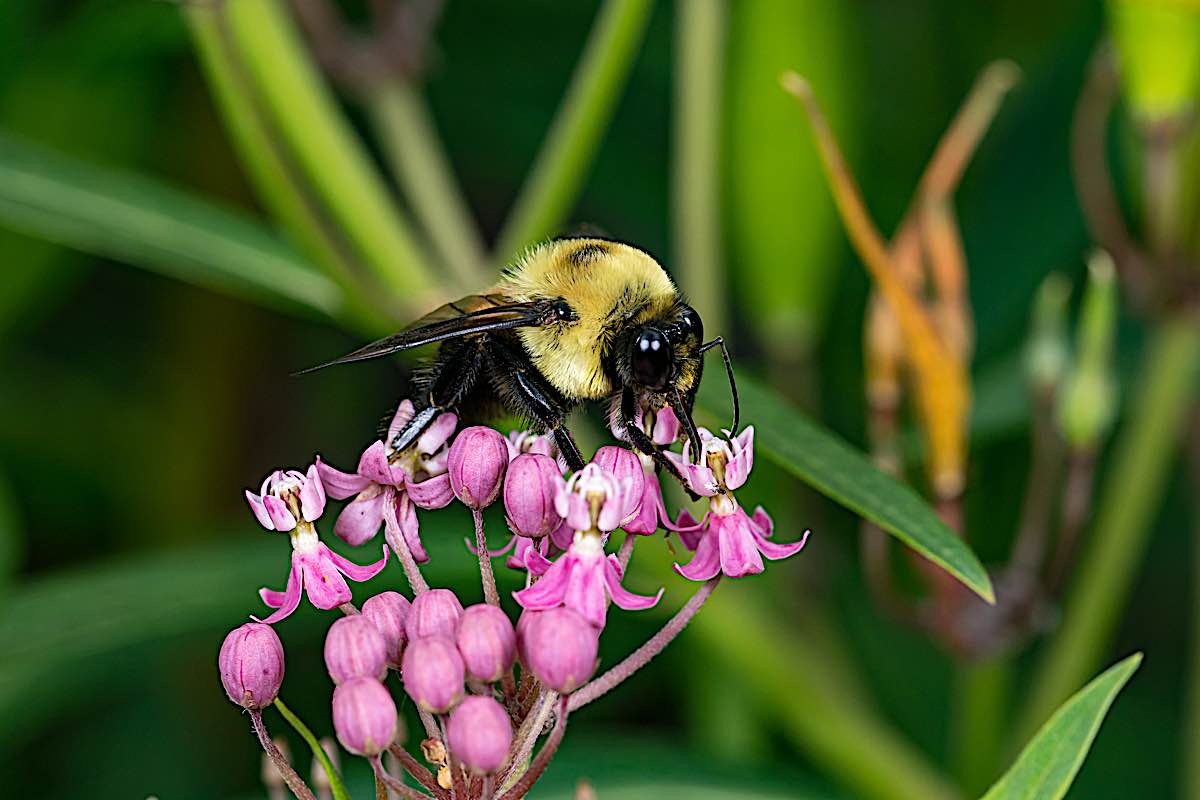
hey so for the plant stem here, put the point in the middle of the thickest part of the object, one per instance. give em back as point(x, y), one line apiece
point(290, 776)
point(326, 148)
point(335, 778)
point(527, 735)
point(522, 786)
point(626, 551)
point(557, 174)
point(490, 595)
point(981, 707)
point(639, 658)
point(393, 783)
point(417, 159)
point(419, 772)
point(395, 538)
point(695, 199)
point(1132, 491)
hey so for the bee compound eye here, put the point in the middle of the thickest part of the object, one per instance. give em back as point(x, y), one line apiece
point(690, 322)
point(651, 359)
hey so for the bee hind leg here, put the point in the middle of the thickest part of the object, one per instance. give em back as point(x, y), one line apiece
point(453, 375)
point(528, 392)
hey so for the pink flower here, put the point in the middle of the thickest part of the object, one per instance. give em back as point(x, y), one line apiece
point(624, 465)
point(288, 496)
point(520, 442)
point(726, 464)
point(317, 570)
point(583, 579)
point(734, 544)
point(592, 499)
point(386, 493)
point(662, 430)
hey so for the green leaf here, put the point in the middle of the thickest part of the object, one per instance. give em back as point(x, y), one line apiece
point(335, 779)
point(1048, 764)
point(841, 473)
point(154, 226)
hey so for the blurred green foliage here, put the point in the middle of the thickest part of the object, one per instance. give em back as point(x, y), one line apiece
point(135, 408)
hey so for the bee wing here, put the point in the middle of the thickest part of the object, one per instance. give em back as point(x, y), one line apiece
point(450, 322)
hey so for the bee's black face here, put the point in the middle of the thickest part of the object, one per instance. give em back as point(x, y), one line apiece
point(689, 323)
point(651, 359)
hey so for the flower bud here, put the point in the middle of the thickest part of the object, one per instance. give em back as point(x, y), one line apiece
point(479, 733)
point(354, 648)
point(433, 674)
point(364, 716)
point(251, 664)
point(529, 489)
point(477, 461)
point(433, 613)
point(624, 465)
point(559, 646)
point(388, 611)
point(487, 642)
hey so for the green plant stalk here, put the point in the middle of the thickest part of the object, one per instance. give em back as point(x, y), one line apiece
point(1129, 500)
point(336, 785)
point(557, 175)
point(1191, 723)
point(981, 707)
point(415, 154)
point(326, 149)
point(276, 184)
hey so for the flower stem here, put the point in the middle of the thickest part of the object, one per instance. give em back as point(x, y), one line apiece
point(527, 734)
point(418, 771)
point(411, 571)
point(485, 561)
point(290, 776)
point(522, 786)
point(626, 551)
point(336, 785)
point(397, 786)
point(642, 656)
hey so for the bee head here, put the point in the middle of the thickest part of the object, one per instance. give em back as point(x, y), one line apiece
point(657, 351)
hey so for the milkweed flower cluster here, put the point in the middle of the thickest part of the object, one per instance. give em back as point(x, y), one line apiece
point(487, 688)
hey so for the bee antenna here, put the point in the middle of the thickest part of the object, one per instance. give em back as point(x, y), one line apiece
point(737, 406)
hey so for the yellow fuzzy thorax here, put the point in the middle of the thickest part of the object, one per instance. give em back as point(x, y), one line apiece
point(609, 285)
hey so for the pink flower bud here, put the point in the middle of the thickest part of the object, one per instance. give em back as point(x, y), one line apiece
point(433, 675)
point(477, 461)
point(559, 646)
point(354, 648)
point(529, 489)
point(388, 612)
point(433, 613)
point(251, 664)
point(487, 642)
point(364, 716)
point(624, 465)
point(479, 734)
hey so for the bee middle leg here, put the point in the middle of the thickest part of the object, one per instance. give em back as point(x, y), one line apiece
point(531, 394)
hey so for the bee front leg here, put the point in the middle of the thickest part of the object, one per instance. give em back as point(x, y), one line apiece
point(644, 444)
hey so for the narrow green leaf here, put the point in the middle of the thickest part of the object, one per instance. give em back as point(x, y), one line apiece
point(11, 537)
point(154, 226)
point(844, 475)
point(335, 779)
point(1048, 764)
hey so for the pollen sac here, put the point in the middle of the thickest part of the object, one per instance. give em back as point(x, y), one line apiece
point(477, 462)
point(433, 673)
point(487, 642)
point(529, 489)
point(364, 716)
point(559, 646)
point(479, 734)
point(251, 665)
point(354, 648)
point(435, 612)
point(388, 612)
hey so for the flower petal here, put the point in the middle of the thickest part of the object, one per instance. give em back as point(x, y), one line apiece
point(356, 572)
point(776, 551)
point(739, 547)
point(404, 412)
point(438, 433)
point(548, 592)
point(690, 531)
point(706, 563)
point(281, 518)
point(360, 519)
point(562, 536)
point(431, 493)
point(289, 601)
point(340, 485)
point(620, 595)
point(585, 590)
point(738, 468)
point(374, 465)
point(312, 495)
point(410, 527)
point(260, 510)
point(536, 562)
point(325, 586)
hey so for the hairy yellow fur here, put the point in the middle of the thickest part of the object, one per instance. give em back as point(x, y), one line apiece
point(609, 286)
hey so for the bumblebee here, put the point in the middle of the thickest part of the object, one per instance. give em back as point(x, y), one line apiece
point(574, 320)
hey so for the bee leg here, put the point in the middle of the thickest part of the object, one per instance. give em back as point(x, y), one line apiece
point(535, 397)
point(644, 444)
point(454, 375)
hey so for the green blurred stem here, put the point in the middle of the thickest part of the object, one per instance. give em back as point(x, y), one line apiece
point(558, 173)
point(1162, 185)
point(699, 61)
point(326, 149)
point(336, 785)
point(981, 707)
point(419, 162)
point(1128, 502)
point(278, 183)
point(1191, 725)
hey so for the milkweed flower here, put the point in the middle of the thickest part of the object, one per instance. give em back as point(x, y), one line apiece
point(727, 540)
point(520, 442)
point(593, 499)
point(251, 665)
point(651, 513)
point(291, 501)
point(388, 492)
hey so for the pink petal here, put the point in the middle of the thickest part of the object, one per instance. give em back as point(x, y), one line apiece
point(410, 527)
point(340, 485)
point(666, 427)
point(491, 553)
point(574, 507)
point(775, 551)
point(549, 591)
point(312, 495)
point(563, 536)
point(374, 465)
point(438, 433)
point(325, 586)
point(585, 590)
point(762, 523)
point(354, 571)
point(739, 548)
point(281, 518)
point(620, 595)
point(690, 531)
point(705, 564)
point(360, 519)
point(700, 479)
point(738, 468)
point(536, 562)
point(260, 510)
point(431, 493)
point(404, 412)
point(289, 601)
